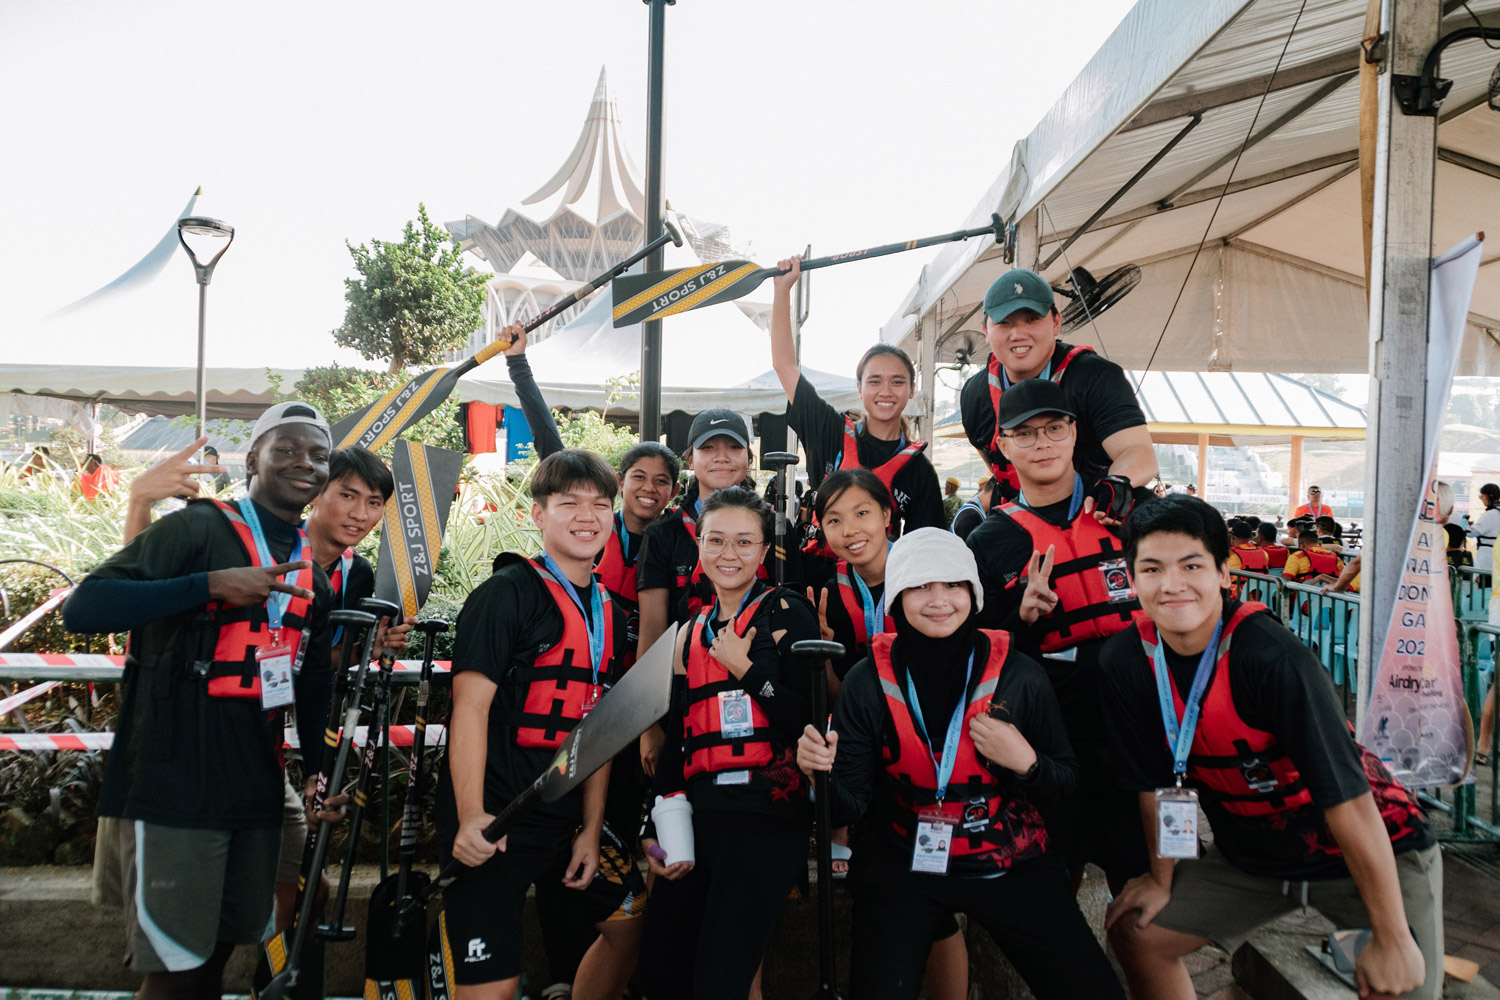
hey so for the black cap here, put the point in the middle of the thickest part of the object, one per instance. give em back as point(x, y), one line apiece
point(1029, 398)
point(712, 423)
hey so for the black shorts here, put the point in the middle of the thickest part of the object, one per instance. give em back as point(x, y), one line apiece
point(484, 906)
point(1100, 822)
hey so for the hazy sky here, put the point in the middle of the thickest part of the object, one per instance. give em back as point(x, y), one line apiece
point(843, 123)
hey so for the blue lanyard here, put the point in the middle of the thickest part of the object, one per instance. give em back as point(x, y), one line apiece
point(276, 601)
point(874, 613)
point(955, 729)
point(1180, 739)
point(624, 535)
point(594, 630)
point(713, 613)
point(346, 561)
point(1007, 383)
point(1074, 505)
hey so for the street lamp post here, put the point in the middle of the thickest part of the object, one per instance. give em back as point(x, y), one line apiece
point(206, 233)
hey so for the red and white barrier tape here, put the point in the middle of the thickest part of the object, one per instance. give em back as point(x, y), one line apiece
point(401, 736)
point(20, 698)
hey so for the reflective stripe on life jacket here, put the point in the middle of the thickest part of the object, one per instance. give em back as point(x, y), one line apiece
point(886, 472)
point(1095, 598)
point(706, 747)
point(232, 673)
point(849, 594)
point(560, 682)
point(992, 831)
point(1005, 474)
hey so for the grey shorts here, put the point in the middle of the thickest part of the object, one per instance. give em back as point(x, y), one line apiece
point(293, 837)
point(188, 890)
point(1213, 899)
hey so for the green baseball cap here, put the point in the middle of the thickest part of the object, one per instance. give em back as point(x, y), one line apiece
point(1018, 288)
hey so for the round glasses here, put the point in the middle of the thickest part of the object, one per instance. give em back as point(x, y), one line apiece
point(1025, 437)
point(743, 547)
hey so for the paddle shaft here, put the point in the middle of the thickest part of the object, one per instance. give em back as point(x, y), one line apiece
point(818, 651)
point(843, 258)
point(413, 814)
point(780, 460)
point(319, 837)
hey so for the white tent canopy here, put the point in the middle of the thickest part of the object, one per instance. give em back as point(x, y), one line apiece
point(1279, 282)
point(238, 393)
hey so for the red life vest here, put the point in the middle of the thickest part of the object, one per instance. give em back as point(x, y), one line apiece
point(617, 575)
point(1319, 560)
point(708, 750)
point(849, 594)
point(232, 673)
point(886, 472)
point(560, 682)
point(1095, 598)
point(700, 591)
point(1004, 472)
point(1253, 558)
point(993, 831)
point(1275, 555)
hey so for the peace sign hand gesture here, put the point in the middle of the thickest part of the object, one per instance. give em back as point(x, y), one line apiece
point(825, 631)
point(1040, 599)
point(252, 584)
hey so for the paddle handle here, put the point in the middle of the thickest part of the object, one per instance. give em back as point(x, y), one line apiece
point(502, 824)
point(996, 228)
point(669, 235)
point(817, 652)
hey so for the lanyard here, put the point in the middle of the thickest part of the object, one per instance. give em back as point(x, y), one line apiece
point(624, 536)
point(276, 601)
point(713, 614)
point(955, 729)
point(346, 560)
point(595, 631)
point(1074, 505)
point(1007, 383)
point(874, 610)
point(1181, 739)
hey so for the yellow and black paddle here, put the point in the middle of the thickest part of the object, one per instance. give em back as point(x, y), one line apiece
point(656, 294)
point(378, 423)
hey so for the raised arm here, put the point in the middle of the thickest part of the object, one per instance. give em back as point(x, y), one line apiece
point(544, 436)
point(783, 351)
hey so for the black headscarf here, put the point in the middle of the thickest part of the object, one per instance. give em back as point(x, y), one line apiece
point(936, 666)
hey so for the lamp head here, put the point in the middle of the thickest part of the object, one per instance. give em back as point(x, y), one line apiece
point(206, 234)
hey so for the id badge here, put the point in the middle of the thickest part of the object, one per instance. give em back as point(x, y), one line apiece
point(934, 839)
point(734, 715)
point(591, 700)
point(1176, 823)
point(1116, 581)
point(273, 662)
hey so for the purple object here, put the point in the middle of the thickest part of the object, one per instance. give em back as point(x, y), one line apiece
point(656, 852)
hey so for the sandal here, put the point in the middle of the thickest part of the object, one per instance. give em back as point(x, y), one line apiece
point(1480, 760)
point(841, 853)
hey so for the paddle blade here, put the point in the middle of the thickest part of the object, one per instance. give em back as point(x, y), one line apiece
point(375, 425)
point(415, 515)
point(439, 961)
point(635, 702)
point(272, 975)
point(641, 297)
point(395, 967)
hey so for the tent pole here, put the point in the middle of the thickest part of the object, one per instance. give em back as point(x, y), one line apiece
point(927, 366)
point(1203, 465)
point(651, 331)
point(1400, 280)
point(1294, 480)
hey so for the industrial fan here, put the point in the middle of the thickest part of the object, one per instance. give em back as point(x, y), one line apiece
point(1091, 297)
point(956, 351)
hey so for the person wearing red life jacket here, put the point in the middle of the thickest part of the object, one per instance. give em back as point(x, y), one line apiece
point(945, 741)
point(95, 477)
point(219, 599)
point(879, 442)
point(1214, 704)
point(740, 701)
point(1021, 325)
point(1310, 559)
point(1054, 576)
point(1276, 553)
point(1244, 554)
point(537, 646)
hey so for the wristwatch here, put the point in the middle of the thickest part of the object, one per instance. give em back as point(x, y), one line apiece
point(1032, 770)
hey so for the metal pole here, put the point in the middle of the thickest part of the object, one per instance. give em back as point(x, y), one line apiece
point(651, 330)
point(202, 314)
point(1401, 274)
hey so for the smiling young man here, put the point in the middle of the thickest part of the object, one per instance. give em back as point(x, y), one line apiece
point(1021, 325)
point(1301, 813)
point(537, 645)
point(1054, 575)
point(225, 606)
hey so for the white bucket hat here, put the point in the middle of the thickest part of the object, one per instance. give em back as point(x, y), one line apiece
point(930, 555)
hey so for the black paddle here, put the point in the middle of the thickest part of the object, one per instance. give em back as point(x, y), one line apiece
point(633, 704)
point(315, 854)
point(335, 929)
point(817, 652)
point(656, 294)
point(395, 967)
point(380, 421)
point(779, 461)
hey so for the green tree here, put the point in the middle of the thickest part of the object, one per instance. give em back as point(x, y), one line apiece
point(414, 299)
point(338, 391)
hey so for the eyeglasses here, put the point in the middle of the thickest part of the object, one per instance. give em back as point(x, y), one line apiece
point(743, 547)
point(1314, 492)
point(1025, 437)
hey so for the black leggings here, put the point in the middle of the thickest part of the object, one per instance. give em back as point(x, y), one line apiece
point(706, 932)
point(1030, 912)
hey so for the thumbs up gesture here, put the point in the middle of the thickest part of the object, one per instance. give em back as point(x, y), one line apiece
point(1039, 599)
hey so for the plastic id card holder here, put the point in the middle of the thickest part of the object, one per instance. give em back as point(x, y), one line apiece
point(734, 715)
point(274, 664)
point(1176, 823)
point(934, 837)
